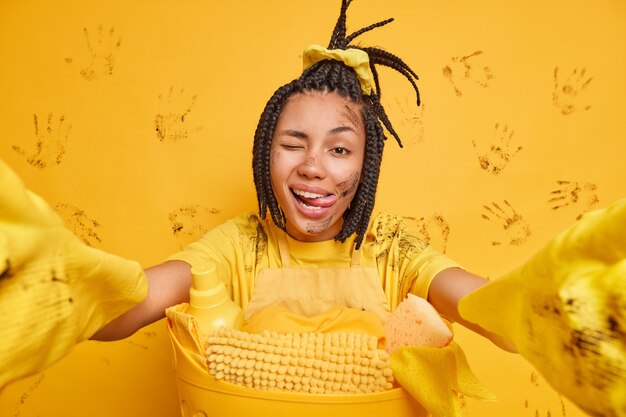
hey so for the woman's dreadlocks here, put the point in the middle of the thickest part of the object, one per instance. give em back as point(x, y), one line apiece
point(335, 77)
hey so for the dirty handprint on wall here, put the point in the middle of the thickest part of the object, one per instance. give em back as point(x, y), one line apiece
point(516, 229)
point(189, 222)
point(407, 118)
point(464, 72)
point(50, 142)
point(101, 54)
point(434, 230)
point(583, 196)
point(494, 155)
point(568, 90)
point(171, 120)
point(83, 226)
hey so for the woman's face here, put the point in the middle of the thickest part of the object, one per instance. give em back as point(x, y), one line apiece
point(316, 159)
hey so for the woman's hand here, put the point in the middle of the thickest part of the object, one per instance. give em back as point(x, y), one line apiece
point(565, 311)
point(55, 291)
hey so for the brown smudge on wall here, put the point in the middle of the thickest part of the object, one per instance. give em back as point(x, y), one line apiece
point(462, 72)
point(534, 379)
point(563, 414)
point(566, 94)
point(408, 120)
point(170, 122)
point(83, 226)
point(101, 55)
point(28, 392)
point(516, 228)
point(49, 143)
point(434, 231)
point(135, 344)
point(498, 152)
point(187, 222)
point(575, 194)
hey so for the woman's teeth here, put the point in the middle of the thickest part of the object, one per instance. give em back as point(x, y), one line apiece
point(309, 200)
point(307, 194)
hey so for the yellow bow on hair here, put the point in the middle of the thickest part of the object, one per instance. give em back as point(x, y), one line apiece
point(354, 58)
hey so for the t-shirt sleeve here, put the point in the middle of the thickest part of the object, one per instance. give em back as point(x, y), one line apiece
point(424, 267)
point(406, 263)
point(213, 249)
point(231, 249)
point(208, 249)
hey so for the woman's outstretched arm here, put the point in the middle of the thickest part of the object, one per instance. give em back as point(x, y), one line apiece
point(168, 285)
point(448, 287)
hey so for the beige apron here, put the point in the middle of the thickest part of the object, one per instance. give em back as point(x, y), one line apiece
point(311, 291)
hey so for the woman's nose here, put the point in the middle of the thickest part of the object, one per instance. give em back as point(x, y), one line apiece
point(311, 167)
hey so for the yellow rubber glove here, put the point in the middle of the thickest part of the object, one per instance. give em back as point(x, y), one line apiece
point(55, 291)
point(565, 311)
point(436, 377)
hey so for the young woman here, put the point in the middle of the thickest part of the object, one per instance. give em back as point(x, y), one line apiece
point(316, 160)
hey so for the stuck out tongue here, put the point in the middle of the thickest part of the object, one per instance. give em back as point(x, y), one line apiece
point(326, 201)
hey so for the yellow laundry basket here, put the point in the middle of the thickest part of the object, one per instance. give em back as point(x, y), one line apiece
point(202, 396)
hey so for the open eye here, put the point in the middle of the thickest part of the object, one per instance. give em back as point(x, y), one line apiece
point(340, 151)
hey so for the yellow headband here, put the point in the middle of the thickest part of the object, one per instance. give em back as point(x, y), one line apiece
point(354, 58)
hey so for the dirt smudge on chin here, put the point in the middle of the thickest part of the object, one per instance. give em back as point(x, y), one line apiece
point(349, 186)
point(315, 228)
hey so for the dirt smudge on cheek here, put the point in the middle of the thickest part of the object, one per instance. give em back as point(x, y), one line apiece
point(348, 187)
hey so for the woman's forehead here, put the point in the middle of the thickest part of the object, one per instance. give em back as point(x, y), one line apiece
point(322, 104)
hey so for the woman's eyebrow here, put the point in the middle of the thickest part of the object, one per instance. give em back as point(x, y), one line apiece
point(295, 133)
point(341, 129)
point(302, 135)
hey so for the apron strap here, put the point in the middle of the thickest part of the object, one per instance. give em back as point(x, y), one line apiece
point(356, 257)
point(283, 250)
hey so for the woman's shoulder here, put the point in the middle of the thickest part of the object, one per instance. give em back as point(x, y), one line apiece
point(244, 225)
point(233, 235)
point(385, 225)
point(387, 229)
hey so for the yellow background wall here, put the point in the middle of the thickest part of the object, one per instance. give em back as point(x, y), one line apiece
point(135, 120)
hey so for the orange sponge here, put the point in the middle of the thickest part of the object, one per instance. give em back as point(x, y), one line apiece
point(415, 322)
